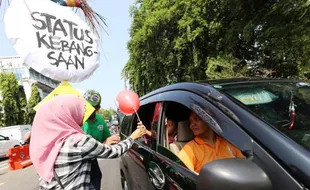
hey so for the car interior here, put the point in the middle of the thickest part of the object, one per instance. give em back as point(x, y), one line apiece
point(273, 106)
point(145, 113)
point(184, 136)
point(180, 114)
point(172, 111)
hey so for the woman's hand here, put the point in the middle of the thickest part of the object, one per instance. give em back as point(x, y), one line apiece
point(114, 139)
point(139, 132)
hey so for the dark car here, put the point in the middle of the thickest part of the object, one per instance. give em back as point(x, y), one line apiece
point(267, 120)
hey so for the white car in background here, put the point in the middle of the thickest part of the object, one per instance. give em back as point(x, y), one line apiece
point(17, 132)
point(5, 144)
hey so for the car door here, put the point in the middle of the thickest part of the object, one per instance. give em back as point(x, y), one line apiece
point(263, 145)
point(164, 169)
point(169, 171)
point(275, 153)
point(136, 160)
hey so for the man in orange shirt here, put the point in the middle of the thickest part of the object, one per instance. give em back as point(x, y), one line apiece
point(206, 146)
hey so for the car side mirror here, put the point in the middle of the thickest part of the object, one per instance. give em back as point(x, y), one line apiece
point(233, 173)
point(7, 138)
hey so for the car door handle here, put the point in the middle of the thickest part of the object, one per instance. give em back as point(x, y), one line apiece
point(138, 155)
point(155, 175)
point(174, 183)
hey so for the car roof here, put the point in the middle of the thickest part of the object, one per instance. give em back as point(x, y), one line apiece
point(196, 86)
point(245, 80)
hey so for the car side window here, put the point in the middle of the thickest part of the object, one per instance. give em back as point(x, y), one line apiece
point(182, 113)
point(174, 115)
point(125, 126)
point(147, 115)
point(220, 123)
point(2, 138)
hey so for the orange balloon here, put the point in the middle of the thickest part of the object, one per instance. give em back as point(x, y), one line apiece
point(128, 102)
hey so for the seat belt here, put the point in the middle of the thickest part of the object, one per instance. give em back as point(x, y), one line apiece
point(231, 152)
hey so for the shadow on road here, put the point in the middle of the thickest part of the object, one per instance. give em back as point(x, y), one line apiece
point(2, 173)
point(27, 178)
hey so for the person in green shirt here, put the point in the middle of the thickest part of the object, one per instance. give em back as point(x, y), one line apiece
point(96, 127)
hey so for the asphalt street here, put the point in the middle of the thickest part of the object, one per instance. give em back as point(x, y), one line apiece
point(27, 179)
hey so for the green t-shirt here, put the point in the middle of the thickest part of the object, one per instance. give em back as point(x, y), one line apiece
point(97, 128)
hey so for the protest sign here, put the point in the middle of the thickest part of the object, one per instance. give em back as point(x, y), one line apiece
point(52, 39)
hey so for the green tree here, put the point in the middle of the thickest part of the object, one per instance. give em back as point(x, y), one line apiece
point(224, 67)
point(34, 99)
point(185, 40)
point(10, 99)
point(107, 113)
point(22, 105)
point(1, 115)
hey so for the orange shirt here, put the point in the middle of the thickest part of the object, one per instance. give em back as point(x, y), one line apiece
point(197, 152)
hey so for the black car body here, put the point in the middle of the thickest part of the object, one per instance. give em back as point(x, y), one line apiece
point(268, 120)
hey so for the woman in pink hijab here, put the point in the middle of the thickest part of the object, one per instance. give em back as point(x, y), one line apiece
point(60, 151)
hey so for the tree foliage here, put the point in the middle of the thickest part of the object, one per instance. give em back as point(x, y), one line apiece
point(34, 99)
point(10, 103)
point(107, 113)
point(22, 104)
point(185, 40)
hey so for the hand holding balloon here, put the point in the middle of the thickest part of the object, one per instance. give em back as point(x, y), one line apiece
point(114, 139)
point(139, 132)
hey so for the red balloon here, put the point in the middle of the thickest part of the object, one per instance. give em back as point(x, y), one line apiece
point(128, 102)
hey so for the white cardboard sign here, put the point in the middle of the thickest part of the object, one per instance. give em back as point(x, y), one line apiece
point(52, 39)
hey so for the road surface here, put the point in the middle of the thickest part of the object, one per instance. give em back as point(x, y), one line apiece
point(27, 178)
point(3, 164)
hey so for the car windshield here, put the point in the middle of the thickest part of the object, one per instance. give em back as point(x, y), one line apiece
point(284, 105)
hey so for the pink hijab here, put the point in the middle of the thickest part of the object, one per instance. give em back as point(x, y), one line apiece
point(55, 121)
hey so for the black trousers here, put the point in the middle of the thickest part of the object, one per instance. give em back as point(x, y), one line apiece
point(95, 176)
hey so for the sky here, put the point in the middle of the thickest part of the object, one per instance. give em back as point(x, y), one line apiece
point(114, 55)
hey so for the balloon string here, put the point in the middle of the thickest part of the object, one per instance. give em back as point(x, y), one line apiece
point(137, 115)
point(30, 11)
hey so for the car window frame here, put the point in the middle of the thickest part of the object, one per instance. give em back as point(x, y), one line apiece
point(179, 97)
point(163, 129)
point(175, 96)
point(154, 141)
point(161, 135)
